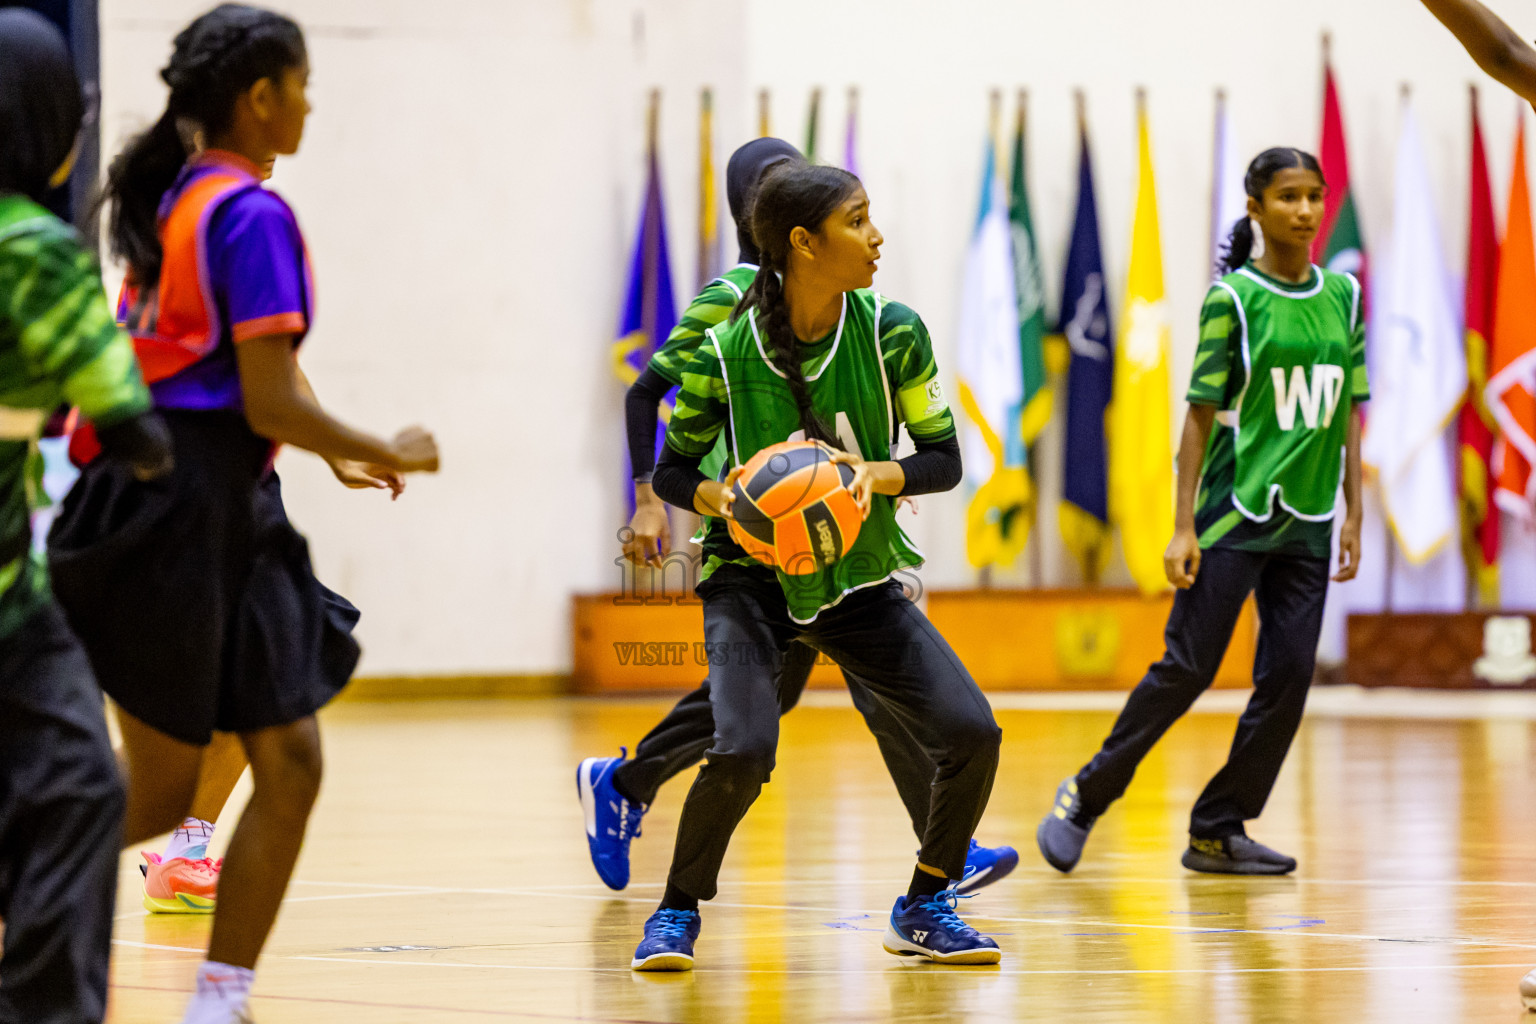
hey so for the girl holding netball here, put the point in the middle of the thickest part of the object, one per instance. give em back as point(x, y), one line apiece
point(195, 597)
point(615, 793)
point(811, 354)
point(1278, 379)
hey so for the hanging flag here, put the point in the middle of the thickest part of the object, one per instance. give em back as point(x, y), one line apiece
point(850, 145)
point(1229, 200)
point(650, 310)
point(990, 384)
point(1029, 286)
point(810, 126)
point(1511, 391)
point(1339, 245)
point(1476, 428)
point(1419, 368)
point(1085, 323)
point(764, 125)
point(1140, 453)
point(709, 200)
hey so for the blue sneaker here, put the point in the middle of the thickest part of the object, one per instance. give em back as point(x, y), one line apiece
point(985, 865)
point(612, 821)
point(933, 929)
point(668, 942)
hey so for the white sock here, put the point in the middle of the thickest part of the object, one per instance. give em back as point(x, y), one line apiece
point(221, 993)
point(190, 840)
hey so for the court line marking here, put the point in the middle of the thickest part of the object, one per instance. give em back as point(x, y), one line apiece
point(894, 965)
point(1057, 921)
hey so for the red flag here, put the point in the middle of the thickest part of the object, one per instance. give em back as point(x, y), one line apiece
point(1340, 245)
point(1511, 391)
point(1476, 428)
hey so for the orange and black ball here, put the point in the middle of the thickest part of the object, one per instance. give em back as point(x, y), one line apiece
point(792, 508)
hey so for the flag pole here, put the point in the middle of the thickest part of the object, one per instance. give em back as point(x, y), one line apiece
point(994, 117)
point(763, 124)
point(811, 125)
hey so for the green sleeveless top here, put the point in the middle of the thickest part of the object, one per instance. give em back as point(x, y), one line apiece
point(1285, 365)
point(872, 373)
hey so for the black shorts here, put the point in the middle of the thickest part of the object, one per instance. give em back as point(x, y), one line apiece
point(193, 595)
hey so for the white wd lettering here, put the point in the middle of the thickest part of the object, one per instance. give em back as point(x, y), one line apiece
point(1321, 396)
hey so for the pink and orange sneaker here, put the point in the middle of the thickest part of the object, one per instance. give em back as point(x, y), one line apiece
point(179, 885)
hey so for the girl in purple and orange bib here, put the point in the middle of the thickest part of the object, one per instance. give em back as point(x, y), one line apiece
point(194, 596)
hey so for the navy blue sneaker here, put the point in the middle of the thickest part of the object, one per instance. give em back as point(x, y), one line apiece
point(933, 929)
point(985, 865)
point(612, 821)
point(668, 942)
point(1063, 833)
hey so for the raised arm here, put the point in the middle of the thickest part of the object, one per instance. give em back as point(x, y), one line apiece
point(1496, 47)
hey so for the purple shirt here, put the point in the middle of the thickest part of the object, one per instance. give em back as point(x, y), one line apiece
point(259, 275)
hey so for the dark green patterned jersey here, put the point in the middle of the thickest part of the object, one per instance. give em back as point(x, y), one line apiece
point(1284, 364)
point(872, 374)
point(710, 307)
point(58, 344)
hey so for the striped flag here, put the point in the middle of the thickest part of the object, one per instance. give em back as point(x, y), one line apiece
point(709, 199)
point(1476, 427)
point(1339, 245)
point(987, 358)
point(1029, 287)
point(650, 309)
point(1511, 391)
point(1140, 453)
point(1085, 323)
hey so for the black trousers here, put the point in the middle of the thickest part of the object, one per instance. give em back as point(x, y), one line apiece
point(1289, 592)
point(61, 818)
point(884, 640)
point(680, 740)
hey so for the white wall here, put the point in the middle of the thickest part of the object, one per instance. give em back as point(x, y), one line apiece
point(471, 176)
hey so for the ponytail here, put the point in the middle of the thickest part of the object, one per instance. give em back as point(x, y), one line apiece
point(142, 173)
point(216, 59)
point(1239, 245)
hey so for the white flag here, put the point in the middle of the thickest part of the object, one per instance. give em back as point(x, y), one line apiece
point(1229, 200)
point(1418, 365)
point(991, 381)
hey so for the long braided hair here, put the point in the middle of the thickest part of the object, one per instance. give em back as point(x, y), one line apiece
point(216, 58)
point(791, 195)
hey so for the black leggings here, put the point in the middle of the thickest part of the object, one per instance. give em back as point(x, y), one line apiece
point(61, 817)
point(680, 740)
point(1289, 591)
point(884, 640)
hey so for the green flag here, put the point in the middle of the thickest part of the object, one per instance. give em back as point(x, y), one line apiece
point(1030, 288)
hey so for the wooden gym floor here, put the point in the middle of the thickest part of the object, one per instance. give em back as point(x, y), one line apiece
point(445, 878)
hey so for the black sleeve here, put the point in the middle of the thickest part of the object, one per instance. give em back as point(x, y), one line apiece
point(677, 478)
point(640, 416)
point(935, 466)
point(144, 442)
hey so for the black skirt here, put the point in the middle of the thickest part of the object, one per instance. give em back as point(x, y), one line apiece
point(193, 595)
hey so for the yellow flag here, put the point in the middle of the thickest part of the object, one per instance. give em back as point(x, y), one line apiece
point(1140, 456)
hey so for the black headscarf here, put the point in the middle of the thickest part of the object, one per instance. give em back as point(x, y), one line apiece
point(40, 105)
point(742, 174)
